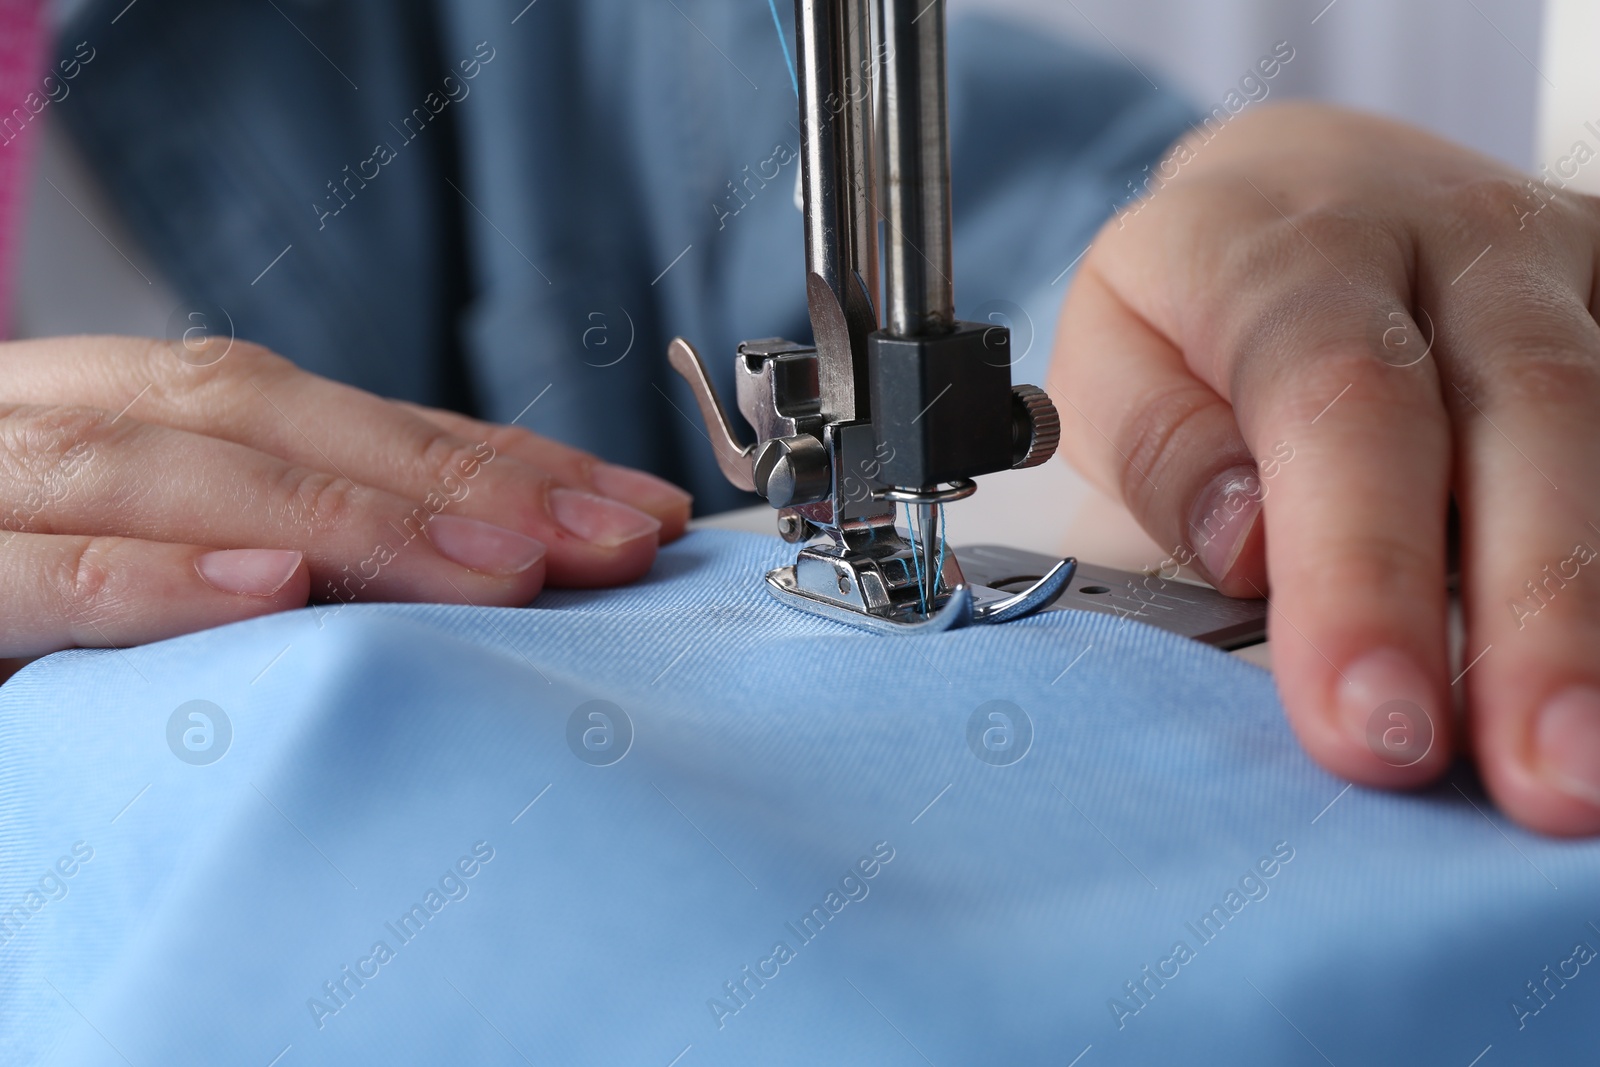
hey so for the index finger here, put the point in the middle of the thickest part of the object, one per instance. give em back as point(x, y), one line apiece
point(1276, 316)
point(253, 397)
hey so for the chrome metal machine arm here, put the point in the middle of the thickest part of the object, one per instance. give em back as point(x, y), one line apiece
point(906, 407)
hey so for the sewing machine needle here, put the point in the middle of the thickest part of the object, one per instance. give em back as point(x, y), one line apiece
point(928, 516)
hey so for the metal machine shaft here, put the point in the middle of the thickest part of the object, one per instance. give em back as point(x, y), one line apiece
point(878, 413)
point(919, 296)
point(834, 39)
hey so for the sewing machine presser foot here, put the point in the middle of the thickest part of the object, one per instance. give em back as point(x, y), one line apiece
point(857, 591)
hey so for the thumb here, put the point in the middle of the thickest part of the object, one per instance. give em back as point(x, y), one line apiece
point(1139, 425)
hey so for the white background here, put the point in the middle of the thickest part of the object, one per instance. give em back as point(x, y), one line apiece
point(1463, 68)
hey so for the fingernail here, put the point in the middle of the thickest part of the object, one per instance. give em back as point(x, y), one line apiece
point(481, 546)
point(248, 571)
point(1223, 518)
point(607, 523)
point(1387, 704)
point(1567, 740)
point(629, 485)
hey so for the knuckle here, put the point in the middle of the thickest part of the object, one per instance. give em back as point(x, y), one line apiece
point(318, 502)
point(1496, 198)
point(1330, 235)
point(1308, 326)
point(1324, 255)
point(41, 439)
point(1354, 374)
point(1556, 223)
point(1544, 377)
point(550, 458)
point(85, 578)
point(1299, 389)
point(209, 384)
point(1322, 225)
point(448, 459)
point(503, 438)
point(251, 359)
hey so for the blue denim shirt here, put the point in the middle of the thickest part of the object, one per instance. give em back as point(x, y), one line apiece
point(478, 203)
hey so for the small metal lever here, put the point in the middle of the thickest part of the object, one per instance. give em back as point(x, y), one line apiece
point(735, 460)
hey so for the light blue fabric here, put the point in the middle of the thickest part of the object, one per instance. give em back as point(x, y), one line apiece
point(374, 747)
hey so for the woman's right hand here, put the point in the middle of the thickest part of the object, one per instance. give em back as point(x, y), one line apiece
point(150, 489)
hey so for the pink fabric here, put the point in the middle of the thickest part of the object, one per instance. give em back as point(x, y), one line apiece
point(22, 97)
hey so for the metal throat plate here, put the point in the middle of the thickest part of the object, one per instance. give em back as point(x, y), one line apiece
point(1195, 611)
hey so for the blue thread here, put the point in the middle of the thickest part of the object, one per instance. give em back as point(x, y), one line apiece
point(788, 57)
point(917, 536)
point(916, 557)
